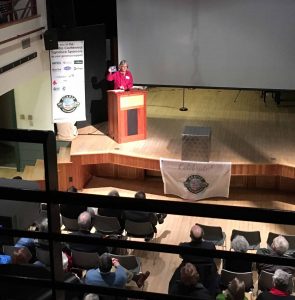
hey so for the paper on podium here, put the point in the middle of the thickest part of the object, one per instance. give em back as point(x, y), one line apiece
point(118, 91)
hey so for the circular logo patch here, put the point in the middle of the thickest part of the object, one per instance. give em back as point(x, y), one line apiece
point(195, 184)
point(68, 103)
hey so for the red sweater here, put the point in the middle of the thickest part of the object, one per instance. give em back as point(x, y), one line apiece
point(120, 80)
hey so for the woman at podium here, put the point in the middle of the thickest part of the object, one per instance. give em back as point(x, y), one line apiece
point(122, 78)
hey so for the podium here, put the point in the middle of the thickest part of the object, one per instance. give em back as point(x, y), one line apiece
point(127, 115)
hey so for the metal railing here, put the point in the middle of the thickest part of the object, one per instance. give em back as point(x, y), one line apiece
point(53, 198)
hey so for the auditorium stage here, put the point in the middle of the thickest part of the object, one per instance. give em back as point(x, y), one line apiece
point(257, 137)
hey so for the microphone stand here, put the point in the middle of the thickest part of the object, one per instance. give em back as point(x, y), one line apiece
point(183, 108)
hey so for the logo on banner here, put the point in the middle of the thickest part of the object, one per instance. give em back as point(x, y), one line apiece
point(195, 184)
point(68, 104)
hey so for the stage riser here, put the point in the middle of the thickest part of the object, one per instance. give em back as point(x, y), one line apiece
point(79, 174)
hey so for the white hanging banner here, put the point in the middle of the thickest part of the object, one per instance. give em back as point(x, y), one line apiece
point(68, 82)
point(195, 180)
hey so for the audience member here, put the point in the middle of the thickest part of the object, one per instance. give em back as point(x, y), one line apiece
point(238, 244)
point(280, 289)
point(206, 266)
point(235, 291)
point(143, 216)
point(196, 235)
point(72, 211)
point(111, 274)
point(31, 243)
point(189, 284)
point(279, 248)
point(21, 256)
point(85, 225)
point(42, 227)
point(91, 297)
point(112, 212)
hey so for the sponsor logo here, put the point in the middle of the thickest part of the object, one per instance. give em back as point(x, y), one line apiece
point(66, 62)
point(67, 68)
point(78, 68)
point(54, 82)
point(56, 88)
point(64, 88)
point(68, 104)
point(55, 69)
point(195, 184)
point(56, 63)
point(61, 76)
point(78, 62)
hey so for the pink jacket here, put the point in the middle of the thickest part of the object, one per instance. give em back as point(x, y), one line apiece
point(121, 80)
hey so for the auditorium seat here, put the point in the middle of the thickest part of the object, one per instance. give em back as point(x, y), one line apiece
point(214, 234)
point(227, 276)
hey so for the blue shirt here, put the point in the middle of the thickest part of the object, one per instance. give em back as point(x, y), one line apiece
point(118, 278)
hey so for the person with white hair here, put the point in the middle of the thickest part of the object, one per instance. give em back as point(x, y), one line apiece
point(238, 244)
point(122, 78)
point(281, 287)
point(91, 297)
point(85, 225)
point(279, 248)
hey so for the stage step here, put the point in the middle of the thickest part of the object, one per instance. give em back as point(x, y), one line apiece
point(35, 172)
point(6, 172)
point(64, 155)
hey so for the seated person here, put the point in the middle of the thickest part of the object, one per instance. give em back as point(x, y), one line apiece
point(111, 274)
point(235, 291)
point(280, 289)
point(31, 243)
point(196, 235)
point(189, 284)
point(112, 212)
point(205, 266)
point(238, 244)
point(42, 227)
point(21, 256)
point(91, 297)
point(279, 248)
point(72, 211)
point(143, 216)
point(85, 225)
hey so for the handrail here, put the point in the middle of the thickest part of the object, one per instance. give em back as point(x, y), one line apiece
point(21, 35)
point(53, 197)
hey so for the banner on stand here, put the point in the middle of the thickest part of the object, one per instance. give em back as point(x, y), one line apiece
point(68, 82)
point(195, 180)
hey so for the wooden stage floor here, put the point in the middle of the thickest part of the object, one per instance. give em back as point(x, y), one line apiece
point(245, 130)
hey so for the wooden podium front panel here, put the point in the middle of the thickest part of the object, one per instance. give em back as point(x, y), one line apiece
point(127, 115)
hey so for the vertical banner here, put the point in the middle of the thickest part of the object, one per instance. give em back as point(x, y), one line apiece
point(68, 82)
point(195, 180)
